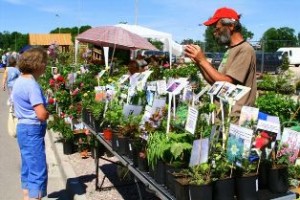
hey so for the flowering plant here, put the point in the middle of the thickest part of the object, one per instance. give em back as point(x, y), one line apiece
point(282, 157)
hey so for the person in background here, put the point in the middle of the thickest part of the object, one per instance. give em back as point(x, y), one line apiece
point(141, 62)
point(30, 109)
point(10, 75)
point(238, 65)
point(3, 59)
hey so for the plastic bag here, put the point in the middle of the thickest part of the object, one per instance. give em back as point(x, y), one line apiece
point(12, 125)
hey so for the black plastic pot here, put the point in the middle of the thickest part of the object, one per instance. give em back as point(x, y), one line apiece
point(224, 189)
point(181, 189)
point(133, 154)
point(171, 175)
point(68, 147)
point(278, 180)
point(115, 142)
point(123, 145)
point(263, 172)
point(247, 188)
point(143, 164)
point(200, 192)
point(160, 172)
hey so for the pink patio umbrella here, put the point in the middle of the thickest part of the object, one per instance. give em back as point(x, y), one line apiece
point(116, 37)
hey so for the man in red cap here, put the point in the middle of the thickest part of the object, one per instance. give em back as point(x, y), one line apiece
point(238, 65)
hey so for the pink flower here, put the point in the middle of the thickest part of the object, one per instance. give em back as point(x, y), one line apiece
point(75, 92)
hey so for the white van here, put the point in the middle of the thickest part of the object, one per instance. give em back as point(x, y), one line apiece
point(293, 54)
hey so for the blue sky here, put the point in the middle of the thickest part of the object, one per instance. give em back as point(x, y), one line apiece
point(181, 18)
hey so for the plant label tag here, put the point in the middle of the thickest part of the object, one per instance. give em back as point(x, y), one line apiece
point(130, 148)
point(199, 152)
point(191, 121)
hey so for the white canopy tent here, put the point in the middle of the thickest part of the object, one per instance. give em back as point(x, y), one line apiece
point(169, 44)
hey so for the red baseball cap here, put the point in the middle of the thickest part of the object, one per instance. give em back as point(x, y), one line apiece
point(222, 13)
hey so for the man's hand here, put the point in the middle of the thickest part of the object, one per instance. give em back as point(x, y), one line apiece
point(3, 87)
point(195, 53)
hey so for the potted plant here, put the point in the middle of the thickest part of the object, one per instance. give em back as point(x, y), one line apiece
point(97, 110)
point(247, 179)
point(294, 175)
point(297, 86)
point(112, 119)
point(87, 99)
point(200, 186)
point(181, 185)
point(113, 115)
point(222, 174)
point(171, 149)
point(67, 136)
point(278, 174)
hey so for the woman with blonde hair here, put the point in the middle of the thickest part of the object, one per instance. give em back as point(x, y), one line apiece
point(30, 109)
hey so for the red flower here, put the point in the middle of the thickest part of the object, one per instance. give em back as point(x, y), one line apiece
point(60, 79)
point(51, 101)
point(51, 82)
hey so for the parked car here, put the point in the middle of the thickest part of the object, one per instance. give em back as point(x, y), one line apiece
point(215, 58)
point(268, 62)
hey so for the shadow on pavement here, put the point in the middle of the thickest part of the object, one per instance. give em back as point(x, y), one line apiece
point(74, 186)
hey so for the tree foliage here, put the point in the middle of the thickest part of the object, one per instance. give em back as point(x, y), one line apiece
point(15, 41)
point(12, 41)
point(213, 46)
point(282, 37)
point(74, 30)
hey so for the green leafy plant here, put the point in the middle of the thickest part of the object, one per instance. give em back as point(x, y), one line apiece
point(221, 167)
point(294, 175)
point(114, 114)
point(279, 83)
point(97, 109)
point(63, 98)
point(200, 174)
point(130, 126)
point(173, 148)
point(279, 105)
point(58, 125)
point(87, 98)
point(183, 71)
point(248, 168)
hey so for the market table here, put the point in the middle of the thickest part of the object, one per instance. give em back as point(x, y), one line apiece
point(159, 190)
point(144, 177)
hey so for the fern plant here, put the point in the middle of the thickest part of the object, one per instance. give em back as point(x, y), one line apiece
point(173, 148)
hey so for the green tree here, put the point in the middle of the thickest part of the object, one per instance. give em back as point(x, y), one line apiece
point(158, 44)
point(191, 41)
point(74, 30)
point(213, 46)
point(13, 41)
point(275, 38)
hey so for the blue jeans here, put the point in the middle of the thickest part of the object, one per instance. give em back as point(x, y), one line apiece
point(34, 175)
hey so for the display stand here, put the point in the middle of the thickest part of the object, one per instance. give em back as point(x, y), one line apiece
point(158, 189)
point(143, 177)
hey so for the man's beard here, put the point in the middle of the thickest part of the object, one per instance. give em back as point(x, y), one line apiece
point(224, 37)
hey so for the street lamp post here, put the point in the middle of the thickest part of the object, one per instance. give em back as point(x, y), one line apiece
point(136, 5)
point(58, 22)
